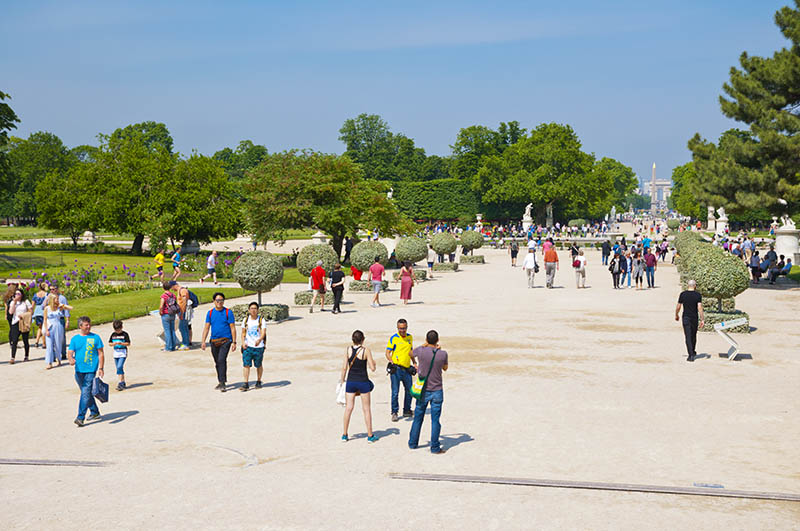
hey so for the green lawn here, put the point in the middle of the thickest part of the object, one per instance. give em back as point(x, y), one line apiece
point(124, 306)
point(292, 276)
point(794, 274)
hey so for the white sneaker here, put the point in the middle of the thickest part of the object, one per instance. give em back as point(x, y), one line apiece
point(182, 347)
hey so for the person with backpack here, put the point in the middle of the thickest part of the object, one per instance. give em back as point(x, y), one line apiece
point(168, 309)
point(513, 250)
point(254, 342)
point(357, 359)
point(431, 361)
point(221, 324)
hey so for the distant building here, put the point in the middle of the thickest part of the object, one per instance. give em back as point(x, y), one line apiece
point(663, 189)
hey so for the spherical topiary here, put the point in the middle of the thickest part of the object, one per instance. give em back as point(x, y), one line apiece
point(579, 222)
point(444, 243)
point(258, 271)
point(363, 254)
point(311, 254)
point(471, 239)
point(673, 223)
point(718, 274)
point(411, 249)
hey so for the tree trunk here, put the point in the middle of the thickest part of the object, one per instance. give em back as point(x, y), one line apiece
point(138, 242)
point(336, 241)
point(74, 236)
point(259, 299)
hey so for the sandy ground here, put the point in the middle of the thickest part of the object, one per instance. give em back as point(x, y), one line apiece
point(572, 384)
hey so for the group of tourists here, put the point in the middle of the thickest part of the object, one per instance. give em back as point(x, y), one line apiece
point(637, 262)
point(427, 362)
point(48, 311)
point(770, 264)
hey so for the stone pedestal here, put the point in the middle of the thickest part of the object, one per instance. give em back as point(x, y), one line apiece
point(526, 223)
point(721, 226)
point(712, 222)
point(319, 237)
point(786, 243)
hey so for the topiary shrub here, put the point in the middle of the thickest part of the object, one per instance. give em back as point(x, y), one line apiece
point(579, 222)
point(365, 286)
point(444, 243)
point(419, 274)
point(477, 259)
point(270, 312)
point(471, 239)
point(363, 254)
point(311, 254)
point(713, 318)
point(673, 224)
point(411, 249)
point(719, 275)
point(258, 271)
point(446, 266)
point(304, 298)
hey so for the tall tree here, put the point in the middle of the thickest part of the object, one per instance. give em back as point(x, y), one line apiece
point(477, 142)
point(154, 135)
point(237, 162)
point(368, 142)
point(71, 201)
point(295, 189)
point(623, 177)
point(29, 161)
point(682, 198)
point(8, 121)
point(754, 168)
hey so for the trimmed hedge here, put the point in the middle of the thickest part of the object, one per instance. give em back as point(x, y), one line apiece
point(444, 243)
point(471, 239)
point(411, 249)
point(578, 222)
point(270, 312)
point(311, 254)
point(419, 274)
point(304, 298)
point(258, 271)
point(713, 318)
point(446, 266)
point(475, 259)
point(673, 224)
point(437, 199)
point(363, 254)
point(365, 286)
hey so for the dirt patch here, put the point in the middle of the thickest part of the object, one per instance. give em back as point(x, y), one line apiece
point(606, 328)
point(538, 371)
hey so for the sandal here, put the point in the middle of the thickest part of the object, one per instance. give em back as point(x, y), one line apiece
point(11, 362)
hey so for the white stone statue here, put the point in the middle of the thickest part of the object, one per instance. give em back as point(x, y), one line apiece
point(390, 193)
point(613, 215)
point(711, 212)
point(721, 213)
point(788, 223)
point(528, 211)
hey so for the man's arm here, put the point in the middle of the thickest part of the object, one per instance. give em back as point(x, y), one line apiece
point(71, 356)
point(102, 361)
point(389, 353)
point(233, 335)
point(677, 310)
point(701, 313)
point(205, 335)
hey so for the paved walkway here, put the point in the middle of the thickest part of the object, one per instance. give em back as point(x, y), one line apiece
point(569, 384)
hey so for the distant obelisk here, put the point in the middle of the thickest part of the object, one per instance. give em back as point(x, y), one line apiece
point(653, 194)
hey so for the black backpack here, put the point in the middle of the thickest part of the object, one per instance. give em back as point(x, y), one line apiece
point(194, 299)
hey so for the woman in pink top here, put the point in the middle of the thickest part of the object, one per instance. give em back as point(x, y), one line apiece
point(376, 277)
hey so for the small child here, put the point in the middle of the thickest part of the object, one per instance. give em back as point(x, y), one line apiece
point(120, 340)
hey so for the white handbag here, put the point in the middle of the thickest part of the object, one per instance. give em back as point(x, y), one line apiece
point(340, 394)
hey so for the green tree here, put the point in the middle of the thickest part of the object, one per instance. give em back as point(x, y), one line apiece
point(754, 168)
point(246, 156)
point(29, 161)
point(369, 142)
point(154, 135)
point(298, 189)
point(637, 201)
point(71, 201)
point(477, 142)
point(682, 198)
point(623, 177)
point(8, 121)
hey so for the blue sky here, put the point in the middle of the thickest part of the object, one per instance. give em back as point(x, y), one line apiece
point(635, 79)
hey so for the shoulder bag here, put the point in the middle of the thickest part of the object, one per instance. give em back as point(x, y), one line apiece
point(418, 389)
point(342, 387)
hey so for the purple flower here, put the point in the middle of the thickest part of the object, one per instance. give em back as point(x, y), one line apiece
point(67, 283)
point(80, 281)
point(104, 277)
point(133, 275)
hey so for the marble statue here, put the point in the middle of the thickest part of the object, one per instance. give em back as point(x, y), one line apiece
point(390, 193)
point(721, 213)
point(788, 223)
point(528, 211)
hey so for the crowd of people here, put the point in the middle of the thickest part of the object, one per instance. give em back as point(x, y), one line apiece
point(770, 264)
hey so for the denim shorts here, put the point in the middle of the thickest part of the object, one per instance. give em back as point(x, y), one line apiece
point(211, 270)
point(120, 362)
point(39, 319)
point(253, 356)
point(376, 286)
point(359, 387)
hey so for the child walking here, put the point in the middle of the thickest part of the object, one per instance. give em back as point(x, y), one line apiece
point(120, 340)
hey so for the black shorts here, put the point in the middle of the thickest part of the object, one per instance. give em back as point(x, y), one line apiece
point(160, 269)
point(514, 254)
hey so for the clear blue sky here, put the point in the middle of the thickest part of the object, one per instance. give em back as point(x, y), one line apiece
point(635, 79)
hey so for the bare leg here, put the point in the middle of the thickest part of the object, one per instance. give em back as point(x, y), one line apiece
point(247, 375)
point(259, 372)
point(365, 405)
point(348, 410)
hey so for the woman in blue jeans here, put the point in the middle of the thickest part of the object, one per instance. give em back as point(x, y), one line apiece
point(168, 309)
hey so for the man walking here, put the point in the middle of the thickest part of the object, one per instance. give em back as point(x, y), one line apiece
point(86, 354)
point(651, 264)
point(376, 277)
point(431, 361)
point(222, 325)
point(529, 265)
point(550, 265)
point(398, 352)
point(606, 250)
point(318, 286)
point(211, 268)
point(692, 304)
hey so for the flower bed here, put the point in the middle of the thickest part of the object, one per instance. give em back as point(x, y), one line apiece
point(365, 286)
point(475, 259)
point(419, 274)
point(85, 282)
point(446, 266)
point(270, 312)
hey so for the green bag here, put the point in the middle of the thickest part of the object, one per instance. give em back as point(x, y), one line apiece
point(418, 388)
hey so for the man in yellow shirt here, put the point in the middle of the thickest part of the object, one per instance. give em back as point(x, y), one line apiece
point(159, 260)
point(398, 352)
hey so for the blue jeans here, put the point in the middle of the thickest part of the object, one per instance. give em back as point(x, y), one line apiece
point(605, 259)
point(401, 375)
point(183, 327)
point(625, 275)
point(650, 271)
point(436, 398)
point(84, 381)
point(170, 339)
point(120, 363)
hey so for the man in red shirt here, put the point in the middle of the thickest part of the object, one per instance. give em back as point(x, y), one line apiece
point(318, 285)
point(550, 265)
point(355, 272)
point(651, 264)
point(376, 277)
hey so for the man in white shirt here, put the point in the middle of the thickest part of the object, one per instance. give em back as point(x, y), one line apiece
point(254, 341)
point(529, 264)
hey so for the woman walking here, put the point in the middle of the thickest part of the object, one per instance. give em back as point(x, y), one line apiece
point(615, 267)
point(54, 331)
point(580, 270)
point(21, 312)
point(168, 308)
point(406, 281)
point(638, 270)
point(356, 360)
point(38, 314)
point(755, 267)
point(8, 296)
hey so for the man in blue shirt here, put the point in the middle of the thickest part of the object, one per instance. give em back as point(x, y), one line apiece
point(86, 353)
point(220, 321)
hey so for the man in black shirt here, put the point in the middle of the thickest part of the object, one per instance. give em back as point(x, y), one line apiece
point(692, 312)
point(337, 287)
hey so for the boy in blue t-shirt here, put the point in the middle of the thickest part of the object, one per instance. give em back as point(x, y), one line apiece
point(120, 340)
point(85, 351)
